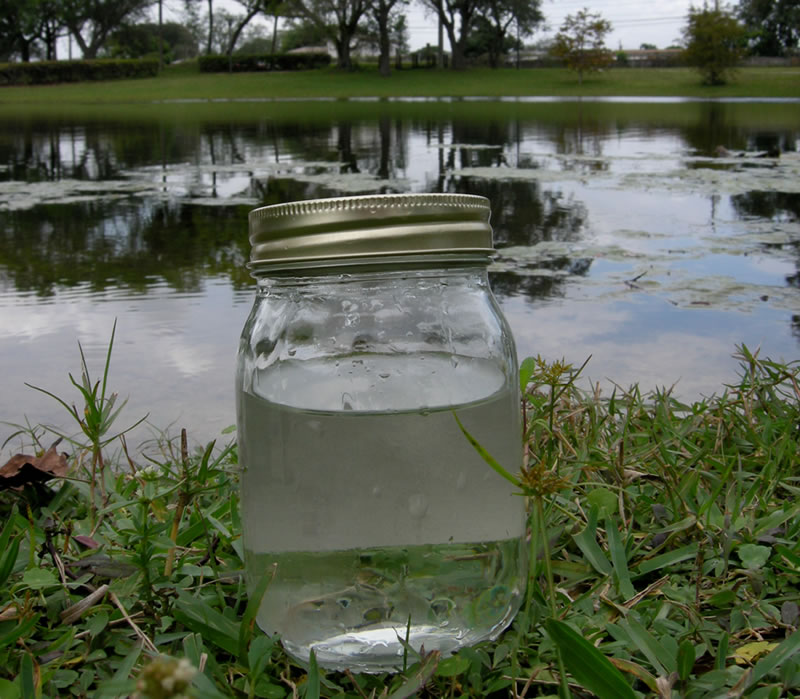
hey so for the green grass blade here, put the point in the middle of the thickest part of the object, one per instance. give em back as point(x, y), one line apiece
point(312, 683)
point(27, 678)
point(8, 559)
point(126, 666)
point(20, 630)
point(5, 535)
point(686, 658)
point(247, 625)
point(667, 559)
point(619, 560)
point(420, 678)
point(214, 627)
point(108, 361)
point(656, 653)
point(588, 666)
point(586, 541)
point(487, 457)
point(722, 652)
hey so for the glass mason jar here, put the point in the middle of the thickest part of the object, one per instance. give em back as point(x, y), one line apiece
point(373, 333)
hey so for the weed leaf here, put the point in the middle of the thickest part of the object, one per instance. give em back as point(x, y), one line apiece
point(590, 668)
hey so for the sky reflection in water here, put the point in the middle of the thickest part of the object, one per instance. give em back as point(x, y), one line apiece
point(620, 237)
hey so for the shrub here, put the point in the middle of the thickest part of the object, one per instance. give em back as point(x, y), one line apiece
point(50, 72)
point(261, 62)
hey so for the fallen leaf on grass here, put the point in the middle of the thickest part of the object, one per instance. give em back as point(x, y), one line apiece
point(22, 469)
point(746, 654)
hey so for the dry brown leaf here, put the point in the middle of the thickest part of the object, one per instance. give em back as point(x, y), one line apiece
point(22, 469)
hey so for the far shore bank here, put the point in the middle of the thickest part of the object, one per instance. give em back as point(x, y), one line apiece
point(185, 82)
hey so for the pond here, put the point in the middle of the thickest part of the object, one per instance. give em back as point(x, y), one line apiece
point(623, 232)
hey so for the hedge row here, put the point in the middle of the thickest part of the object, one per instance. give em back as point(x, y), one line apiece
point(256, 62)
point(49, 72)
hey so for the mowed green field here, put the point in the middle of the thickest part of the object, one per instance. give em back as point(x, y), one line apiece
point(185, 82)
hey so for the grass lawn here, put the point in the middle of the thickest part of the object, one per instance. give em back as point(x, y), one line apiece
point(185, 82)
point(664, 561)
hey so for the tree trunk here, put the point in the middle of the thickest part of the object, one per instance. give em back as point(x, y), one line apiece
point(274, 41)
point(239, 28)
point(343, 60)
point(385, 58)
point(74, 30)
point(456, 51)
point(459, 62)
point(210, 27)
point(160, 35)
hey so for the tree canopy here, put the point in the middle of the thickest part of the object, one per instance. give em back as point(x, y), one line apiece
point(500, 20)
point(337, 20)
point(773, 26)
point(581, 42)
point(90, 22)
point(715, 44)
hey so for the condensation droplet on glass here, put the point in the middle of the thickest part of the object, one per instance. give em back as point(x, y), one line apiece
point(461, 481)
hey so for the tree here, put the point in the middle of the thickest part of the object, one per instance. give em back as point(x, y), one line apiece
point(210, 38)
point(275, 9)
point(138, 40)
point(715, 44)
point(499, 16)
point(21, 26)
point(457, 18)
point(194, 23)
point(300, 33)
point(773, 25)
point(91, 21)
point(337, 20)
point(239, 22)
point(581, 42)
point(193, 18)
point(400, 37)
point(384, 17)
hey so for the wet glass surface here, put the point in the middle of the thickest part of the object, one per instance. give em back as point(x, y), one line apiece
point(623, 232)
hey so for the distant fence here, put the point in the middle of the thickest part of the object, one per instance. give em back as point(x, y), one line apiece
point(51, 72)
point(771, 61)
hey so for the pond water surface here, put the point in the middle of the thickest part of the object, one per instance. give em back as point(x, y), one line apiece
point(621, 234)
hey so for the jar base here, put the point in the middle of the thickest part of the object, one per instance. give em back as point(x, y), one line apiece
point(380, 650)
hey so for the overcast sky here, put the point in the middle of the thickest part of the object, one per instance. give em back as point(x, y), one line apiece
point(634, 21)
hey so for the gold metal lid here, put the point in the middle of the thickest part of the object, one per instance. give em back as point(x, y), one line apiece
point(360, 228)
